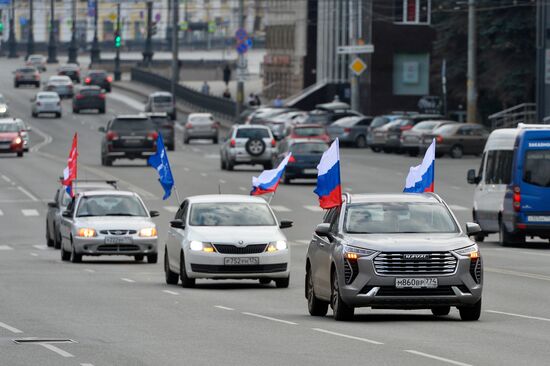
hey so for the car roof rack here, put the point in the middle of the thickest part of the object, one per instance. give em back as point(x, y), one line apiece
point(347, 197)
point(533, 126)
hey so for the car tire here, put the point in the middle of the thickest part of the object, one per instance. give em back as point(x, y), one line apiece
point(315, 306)
point(441, 310)
point(223, 165)
point(138, 258)
point(375, 149)
point(152, 258)
point(172, 278)
point(506, 239)
point(76, 111)
point(470, 313)
point(15, 85)
point(282, 282)
point(38, 85)
point(57, 242)
point(387, 150)
point(186, 282)
point(360, 142)
point(65, 255)
point(456, 152)
point(58, 115)
point(186, 141)
point(101, 110)
point(75, 257)
point(480, 237)
point(49, 242)
point(20, 154)
point(413, 152)
point(230, 165)
point(215, 141)
point(341, 310)
point(34, 114)
point(268, 166)
point(255, 147)
point(286, 179)
point(264, 281)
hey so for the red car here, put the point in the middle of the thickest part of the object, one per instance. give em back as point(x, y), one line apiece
point(309, 131)
point(11, 140)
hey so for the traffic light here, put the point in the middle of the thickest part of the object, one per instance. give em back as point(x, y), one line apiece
point(117, 40)
point(1, 27)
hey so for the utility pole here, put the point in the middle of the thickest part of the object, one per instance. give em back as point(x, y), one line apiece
point(117, 56)
point(354, 37)
point(12, 44)
point(30, 38)
point(471, 99)
point(148, 52)
point(72, 46)
point(95, 51)
point(240, 64)
point(175, 43)
point(52, 46)
point(543, 62)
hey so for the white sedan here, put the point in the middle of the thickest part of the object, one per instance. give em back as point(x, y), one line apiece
point(226, 237)
point(46, 102)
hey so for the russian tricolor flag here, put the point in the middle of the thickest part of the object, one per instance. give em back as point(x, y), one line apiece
point(269, 180)
point(328, 178)
point(69, 173)
point(421, 177)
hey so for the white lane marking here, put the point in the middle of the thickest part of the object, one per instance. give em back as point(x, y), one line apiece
point(222, 181)
point(27, 193)
point(346, 336)
point(57, 350)
point(531, 253)
point(185, 169)
point(269, 318)
point(40, 247)
point(89, 270)
point(204, 175)
point(5, 247)
point(127, 280)
point(6, 178)
point(313, 208)
point(34, 254)
point(47, 139)
point(458, 208)
point(173, 209)
point(212, 156)
point(242, 188)
point(170, 292)
point(518, 315)
point(456, 187)
point(1, 213)
point(349, 189)
point(195, 149)
point(10, 328)
point(302, 241)
point(86, 364)
point(518, 274)
point(223, 307)
point(433, 357)
point(280, 208)
point(127, 100)
point(29, 212)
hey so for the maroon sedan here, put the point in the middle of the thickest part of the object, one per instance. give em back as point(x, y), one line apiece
point(11, 140)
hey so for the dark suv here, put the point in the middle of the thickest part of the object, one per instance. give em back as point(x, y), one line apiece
point(130, 137)
point(89, 97)
point(99, 78)
point(166, 127)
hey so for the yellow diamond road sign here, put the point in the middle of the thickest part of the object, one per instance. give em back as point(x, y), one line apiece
point(358, 66)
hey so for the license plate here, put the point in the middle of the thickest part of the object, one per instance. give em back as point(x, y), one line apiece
point(242, 158)
point(118, 240)
point(310, 171)
point(538, 218)
point(416, 282)
point(240, 261)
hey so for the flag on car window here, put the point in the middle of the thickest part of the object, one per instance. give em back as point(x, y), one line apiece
point(269, 180)
point(328, 178)
point(421, 177)
point(69, 173)
point(160, 162)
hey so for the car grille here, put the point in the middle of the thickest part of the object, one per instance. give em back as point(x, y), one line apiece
point(232, 249)
point(118, 232)
point(475, 269)
point(115, 248)
point(438, 263)
point(351, 269)
point(262, 268)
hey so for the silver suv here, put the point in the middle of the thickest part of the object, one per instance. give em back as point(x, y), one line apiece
point(393, 251)
point(248, 144)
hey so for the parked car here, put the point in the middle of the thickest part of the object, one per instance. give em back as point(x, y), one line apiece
point(377, 122)
point(309, 131)
point(457, 139)
point(99, 78)
point(11, 141)
point(201, 126)
point(350, 130)
point(128, 136)
point(166, 127)
point(248, 144)
point(513, 185)
point(37, 61)
point(61, 201)
point(46, 102)
point(393, 251)
point(89, 97)
point(306, 155)
point(161, 101)
point(278, 122)
point(26, 76)
point(412, 139)
point(405, 123)
point(70, 70)
point(62, 85)
point(328, 113)
point(226, 237)
point(379, 136)
point(4, 107)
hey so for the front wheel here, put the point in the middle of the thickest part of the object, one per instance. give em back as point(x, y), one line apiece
point(360, 142)
point(152, 258)
point(506, 238)
point(315, 306)
point(341, 310)
point(65, 255)
point(456, 152)
point(441, 310)
point(470, 313)
point(185, 281)
point(75, 257)
point(375, 149)
point(172, 278)
point(282, 282)
point(20, 154)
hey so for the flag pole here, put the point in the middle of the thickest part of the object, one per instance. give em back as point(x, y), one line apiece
point(177, 195)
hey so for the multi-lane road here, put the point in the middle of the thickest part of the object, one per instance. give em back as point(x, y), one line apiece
point(118, 312)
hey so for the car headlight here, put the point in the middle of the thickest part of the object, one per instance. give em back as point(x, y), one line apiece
point(17, 140)
point(199, 246)
point(148, 232)
point(472, 251)
point(3, 109)
point(355, 252)
point(277, 245)
point(86, 232)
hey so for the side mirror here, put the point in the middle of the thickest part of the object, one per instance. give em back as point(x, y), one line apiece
point(101, 129)
point(177, 224)
point(472, 177)
point(67, 214)
point(472, 228)
point(154, 213)
point(322, 229)
point(52, 204)
point(285, 224)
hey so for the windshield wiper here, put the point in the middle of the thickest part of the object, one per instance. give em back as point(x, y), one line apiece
point(119, 214)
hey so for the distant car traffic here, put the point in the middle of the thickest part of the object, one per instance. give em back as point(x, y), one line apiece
point(159, 102)
point(392, 142)
point(128, 136)
point(99, 78)
point(200, 126)
point(62, 85)
point(166, 127)
point(457, 139)
point(306, 155)
point(61, 201)
point(11, 141)
point(377, 122)
point(46, 102)
point(108, 223)
point(350, 130)
point(309, 131)
point(4, 108)
point(328, 113)
point(70, 70)
point(413, 139)
point(89, 97)
point(249, 145)
point(38, 61)
point(226, 237)
point(393, 251)
point(26, 76)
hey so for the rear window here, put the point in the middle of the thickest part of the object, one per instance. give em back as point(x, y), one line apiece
point(98, 74)
point(309, 148)
point(309, 131)
point(90, 92)
point(253, 133)
point(132, 124)
point(27, 70)
point(160, 120)
point(162, 99)
point(200, 120)
point(378, 121)
point(536, 168)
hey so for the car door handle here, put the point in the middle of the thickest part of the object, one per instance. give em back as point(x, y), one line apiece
point(320, 243)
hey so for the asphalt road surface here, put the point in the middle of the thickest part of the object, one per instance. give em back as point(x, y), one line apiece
point(117, 312)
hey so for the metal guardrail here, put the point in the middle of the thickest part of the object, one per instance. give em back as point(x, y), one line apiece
point(522, 113)
point(196, 99)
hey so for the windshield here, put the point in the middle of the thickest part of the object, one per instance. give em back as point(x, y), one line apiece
point(446, 130)
point(132, 124)
point(399, 217)
point(231, 214)
point(309, 131)
point(9, 127)
point(536, 169)
point(425, 126)
point(309, 148)
point(379, 121)
point(110, 205)
point(162, 99)
point(48, 96)
point(253, 133)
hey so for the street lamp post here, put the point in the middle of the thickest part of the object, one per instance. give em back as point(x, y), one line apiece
point(72, 47)
point(95, 52)
point(52, 46)
point(11, 40)
point(148, 52)
point(30, 38)
point(117, 57)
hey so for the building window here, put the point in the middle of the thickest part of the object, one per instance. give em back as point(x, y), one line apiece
point(412, 11)
point(411, 74)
